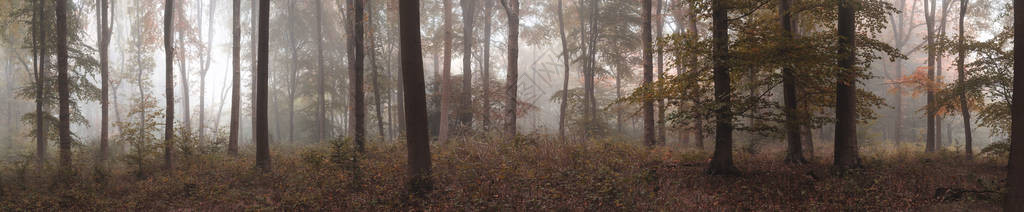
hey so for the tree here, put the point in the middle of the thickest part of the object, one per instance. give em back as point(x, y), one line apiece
point(1015, 175)
point(356, 75)
point(961, 58)
point(236, 75)
point(418, 138)
point(794, 148)
point(661, 71)
point(846, 87)
point(648, 105)
point(565, 82)
point(466, 105)
point(169, 77)
point(512, 77)
point(262, 129)
point(63, 86)
point(103, 32)
point(321, 117)
point(486, 72)
point(205, 63)
point(294, 48)
point(446, 72)
point(721, 162)
point(41, 79)
point(930, 96)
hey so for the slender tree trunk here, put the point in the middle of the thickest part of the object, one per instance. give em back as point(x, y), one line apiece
point(565, 63)
point(446, 72)
point(254, 42)
point(375, 72)
point(795, 153)
point(63, 87)
point(661, 138)
point(321, 109)
point(486, 72)
point(295, 69)
point(846, 121)
point(205, 69)
point(648, 105)
point(262, 62)
point(466, 106)
point(236, 75)
point(356, 76)
point(41, 81)
point(929, 109)
point(511, 89)
point(103, 34)
point(169, 78)
point(938, 71)
point(961, 59)
point(721, 162)
point(418, 138)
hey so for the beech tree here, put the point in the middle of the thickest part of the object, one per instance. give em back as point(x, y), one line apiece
point(648, 105)
point(417, 135)
point(63, 90)
point(512, 77)
point(846, 124)
point(262, 128)
point(356, 75)
point(236, 75)
point(721, 162)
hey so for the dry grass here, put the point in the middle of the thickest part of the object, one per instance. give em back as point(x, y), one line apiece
point(527, 174)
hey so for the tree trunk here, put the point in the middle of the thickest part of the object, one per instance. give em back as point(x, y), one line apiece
point(205, 69)
point(661, 137)
point(846, 121)
point(418, 138)
point(169, 85)
point(648, 104)
point(512, 77)
point(964, 110)
point(565, 63)
point(1015, 175)
point(356, 76)
point(446, 73)
point(262, 129)
point(41, 141)
point(295, 70)
point(63, 87)
point(375, 71)
point(466, 105)
point(929, 109)
point(486, 72)
point(236, 76)
point(103, 34)
point(794, 153)
point(721, 162)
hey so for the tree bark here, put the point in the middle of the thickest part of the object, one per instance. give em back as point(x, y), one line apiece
point(648, 104)
point(63, 87)
point(794, 153)
point(1015, 175)
point(418, 138)
point(103, 34)
point(512, 77)
point(721, 162)
point(236, 75)
point(565, 62)
point(961, 59)
point(262, 61)
point(446, 72)
point(466, 106)
point(929, 109)
point(846, 121)
point(486, 72)
point(356, 76)
point(169, 85)
point(660, 23)
point(375, 72)
point(41, 80)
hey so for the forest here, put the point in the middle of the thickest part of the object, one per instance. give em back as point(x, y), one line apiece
point(509, 105)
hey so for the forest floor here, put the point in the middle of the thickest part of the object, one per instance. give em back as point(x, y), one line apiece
point(526, 175)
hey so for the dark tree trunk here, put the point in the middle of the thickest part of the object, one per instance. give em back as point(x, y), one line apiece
point(648, 104)
point(169, 79)
point(565, 83)
point(1015, 176)
point(964, 110)
point(236, 75)
point(41, 141)
point(446, 73)
point(511, 89)
point(262, 61)
point(103, 32)
point(418, 138)
point(63, 87)
point(930, 145)
point(794, 153)
point(486, 72)
point(721, 162)
point(661, 137)
point(846, 121)
point(466, 105)
point(356, 76)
